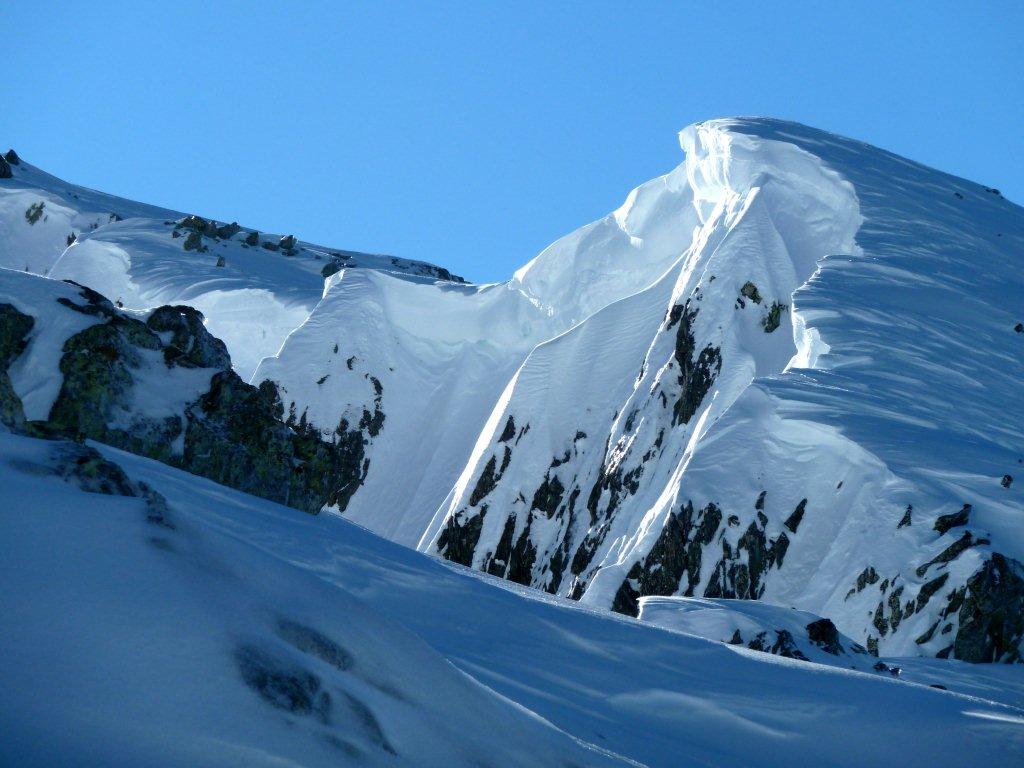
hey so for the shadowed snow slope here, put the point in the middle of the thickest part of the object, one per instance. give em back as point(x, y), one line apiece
point(194, 625)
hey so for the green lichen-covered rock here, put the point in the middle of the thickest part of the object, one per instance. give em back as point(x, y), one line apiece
point(227, 231)
point(194, 242)
point(190, 343)
point(235, 436)
point(96, 392)
point(87, 469)
point(749, 290)
point(14, 328)
point(199, 225)
point(773, 319)
point(234, 433)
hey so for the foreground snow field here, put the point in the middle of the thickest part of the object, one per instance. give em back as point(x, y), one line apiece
point(226, 630)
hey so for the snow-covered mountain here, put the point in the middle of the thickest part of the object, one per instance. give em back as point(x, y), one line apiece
point(788, 370)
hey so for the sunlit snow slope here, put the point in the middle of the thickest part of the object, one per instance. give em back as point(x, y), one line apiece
point(817, 405)
point(253, 288)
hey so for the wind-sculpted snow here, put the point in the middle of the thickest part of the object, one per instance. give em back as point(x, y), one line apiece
point(824, 383)
point(177, 622)
point(615, 405)
point(430, 358)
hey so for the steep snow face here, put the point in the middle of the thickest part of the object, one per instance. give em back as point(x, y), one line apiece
point(617, 256)
point(459, 346)
point(277, 638)
point(815, 406)
point(444, 353)
point(253, 288)
point(417, 367)
point(589, 411)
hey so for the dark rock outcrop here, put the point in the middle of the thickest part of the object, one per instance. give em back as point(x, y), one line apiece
point(696, 375)
point(749, 290)
point(773, 319)
point(953, 520)
point(194, 242)
point(234, 433)
point(14, 329)
point(35, 212)
point(824, 634)
point(991, 615)
point(677, 553)
point(460, 536)
point(227, 231)
point(190, 345)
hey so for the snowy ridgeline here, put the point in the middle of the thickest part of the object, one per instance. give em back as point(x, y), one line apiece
point(816, 404)
point(787, 371)
point(253, 287)
point(153, 618)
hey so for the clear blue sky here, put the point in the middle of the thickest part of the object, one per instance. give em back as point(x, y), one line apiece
point(472, 134)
